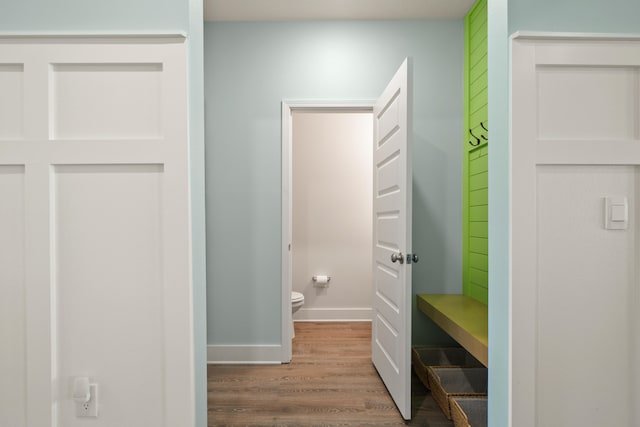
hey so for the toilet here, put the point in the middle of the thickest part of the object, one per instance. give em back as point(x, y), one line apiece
point(297, 301)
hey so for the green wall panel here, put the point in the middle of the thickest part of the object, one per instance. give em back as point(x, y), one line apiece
point(475, 164)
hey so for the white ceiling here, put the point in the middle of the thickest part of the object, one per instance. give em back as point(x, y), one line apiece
point(287, 10)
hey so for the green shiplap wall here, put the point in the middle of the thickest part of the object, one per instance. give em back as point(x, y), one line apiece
point(475, 197)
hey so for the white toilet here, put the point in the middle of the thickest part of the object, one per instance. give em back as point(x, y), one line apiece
point(297, 301)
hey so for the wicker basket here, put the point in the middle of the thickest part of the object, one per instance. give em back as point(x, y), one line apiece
point(423, 356)
point(469, 411)
point(448, 382)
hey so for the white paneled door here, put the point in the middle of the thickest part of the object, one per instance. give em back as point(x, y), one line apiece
point(575, 284)
point(95, 233)
point(392, 256)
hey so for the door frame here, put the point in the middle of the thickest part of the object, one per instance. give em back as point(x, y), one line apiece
point(288, 108)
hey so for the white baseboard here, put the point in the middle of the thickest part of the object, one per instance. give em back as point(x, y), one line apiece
point(333, 315)
point(272, 354)
point(244, 354)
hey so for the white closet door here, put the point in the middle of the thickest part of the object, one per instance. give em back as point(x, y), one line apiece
point(95, 255)
point(575, 281)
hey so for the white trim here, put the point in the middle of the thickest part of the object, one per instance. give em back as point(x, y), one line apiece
point(286, 288)
point(106, 36)
point(244, 354)
point(288, 106)
point(333, 315)
point(546, 35)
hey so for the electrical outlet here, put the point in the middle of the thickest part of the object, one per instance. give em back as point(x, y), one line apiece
point(90, 408)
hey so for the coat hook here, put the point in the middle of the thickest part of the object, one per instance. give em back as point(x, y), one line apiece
point(477, 139)
point(484, 137)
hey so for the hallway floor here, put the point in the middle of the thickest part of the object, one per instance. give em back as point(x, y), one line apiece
point(330, 382)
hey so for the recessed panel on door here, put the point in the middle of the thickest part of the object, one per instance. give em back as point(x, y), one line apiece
point(11, 101)
point(12, 297)
point(587, 103)
point(587, 297)
point(110, 290)
point(106, 101)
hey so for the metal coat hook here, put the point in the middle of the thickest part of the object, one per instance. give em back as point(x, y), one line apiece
point(483, 127)
point(477, 139)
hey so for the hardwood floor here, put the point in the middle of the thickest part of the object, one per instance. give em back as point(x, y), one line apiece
point(329, 382)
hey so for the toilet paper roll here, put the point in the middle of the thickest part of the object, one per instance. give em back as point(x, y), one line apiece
point(320, 279)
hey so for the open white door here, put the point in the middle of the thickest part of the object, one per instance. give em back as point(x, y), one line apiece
point(392, 255)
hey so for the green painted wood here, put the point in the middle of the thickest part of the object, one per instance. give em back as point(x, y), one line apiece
point(478, 293)
point(478, 229)
point(479, 181)
point(478, 165)
point(478, 213)
point(466, 221)
point(475, 167)
point(480, 260)
point(478, 197)
point(478, 245)
point(479, 278)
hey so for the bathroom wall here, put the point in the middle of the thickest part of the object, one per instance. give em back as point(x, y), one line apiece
point(250, 68)
point(331, 203)
point(505, 18)
point(131, 17)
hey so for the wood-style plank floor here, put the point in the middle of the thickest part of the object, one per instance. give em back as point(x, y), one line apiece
point(329, 382)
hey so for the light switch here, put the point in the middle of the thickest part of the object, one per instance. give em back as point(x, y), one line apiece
point(616, 213)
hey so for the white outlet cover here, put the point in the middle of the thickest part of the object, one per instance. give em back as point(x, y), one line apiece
point(88, 409)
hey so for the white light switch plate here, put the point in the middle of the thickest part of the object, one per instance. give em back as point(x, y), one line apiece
point(616, 213)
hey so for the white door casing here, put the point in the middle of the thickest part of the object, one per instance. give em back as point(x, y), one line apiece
point(97, 277)
point(392, 192)
point(575, 294)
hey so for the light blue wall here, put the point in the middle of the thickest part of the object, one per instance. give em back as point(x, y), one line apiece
point(93, 15)
point(505, 18)
point(499, 158)
point(249, 69)
point(198, 217)
point(594, 16)
point(139, 16)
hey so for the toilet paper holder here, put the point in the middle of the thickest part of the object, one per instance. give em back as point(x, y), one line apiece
point(321, 279)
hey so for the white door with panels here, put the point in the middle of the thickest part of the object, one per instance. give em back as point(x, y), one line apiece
point(95, 267)
point(575, 200)
point(392, 254)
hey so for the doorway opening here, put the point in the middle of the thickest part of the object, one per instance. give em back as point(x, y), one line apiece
point(391, 232)
point(331, 230)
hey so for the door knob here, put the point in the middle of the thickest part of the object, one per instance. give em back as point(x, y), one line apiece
point(397, 257)
point(412, 258)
